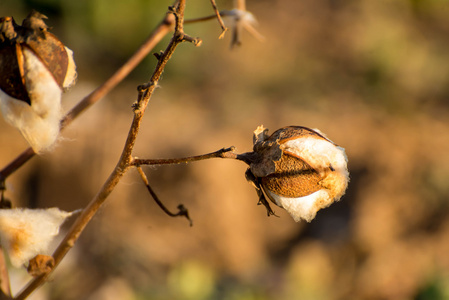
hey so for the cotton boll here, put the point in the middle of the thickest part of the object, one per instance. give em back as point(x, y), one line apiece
point(298, 169)
point(38, 123)
point(35, 68)
point(26, 232)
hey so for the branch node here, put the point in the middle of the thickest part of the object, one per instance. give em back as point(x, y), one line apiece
point(135, 106)
point(158, 55)
point(143, 87)
point(195, 41)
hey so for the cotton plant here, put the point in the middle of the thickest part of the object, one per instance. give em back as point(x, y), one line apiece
point(297, 168)
point(35, 68)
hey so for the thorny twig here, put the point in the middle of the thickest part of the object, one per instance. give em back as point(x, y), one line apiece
point(125, 160)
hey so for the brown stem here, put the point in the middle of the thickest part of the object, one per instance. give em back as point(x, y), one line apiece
point(222, 153)
point(125, 160)
point(16, 163)
point(202, 19)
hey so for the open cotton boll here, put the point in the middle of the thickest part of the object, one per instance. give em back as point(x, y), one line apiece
point(35, 68)
point(27, 232)
point(298, 169)
point(38, 122)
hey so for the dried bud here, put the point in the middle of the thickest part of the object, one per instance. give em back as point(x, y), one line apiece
point(35, 67)
point(299, 169)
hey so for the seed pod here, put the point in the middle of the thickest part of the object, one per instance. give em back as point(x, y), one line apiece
point(298, 169)
point(35, 67)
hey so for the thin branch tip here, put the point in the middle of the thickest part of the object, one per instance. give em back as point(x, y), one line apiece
point(182, 211)
point(223, 32)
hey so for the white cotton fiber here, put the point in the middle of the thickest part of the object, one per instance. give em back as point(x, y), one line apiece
point(27, 232)
point(38, 123)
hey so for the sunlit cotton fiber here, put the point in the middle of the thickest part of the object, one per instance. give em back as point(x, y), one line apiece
point(27, 232)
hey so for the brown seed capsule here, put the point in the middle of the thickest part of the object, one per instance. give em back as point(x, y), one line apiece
point(299, 169)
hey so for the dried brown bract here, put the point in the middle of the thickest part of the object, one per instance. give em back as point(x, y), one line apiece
point(40, 264)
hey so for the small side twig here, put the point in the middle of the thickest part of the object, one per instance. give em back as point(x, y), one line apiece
point(222, 153)
point(182, 211)
point(220, 20)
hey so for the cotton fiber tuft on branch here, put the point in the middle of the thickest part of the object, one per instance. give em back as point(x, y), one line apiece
point(27, 232)
point(35, 68)
point(298, 169)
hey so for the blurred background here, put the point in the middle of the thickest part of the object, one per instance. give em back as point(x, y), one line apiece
point(372, 75)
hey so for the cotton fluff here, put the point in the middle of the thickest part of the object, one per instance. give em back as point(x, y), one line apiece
point(27, 232)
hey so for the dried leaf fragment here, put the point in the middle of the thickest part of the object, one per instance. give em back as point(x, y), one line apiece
point(40, 265)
